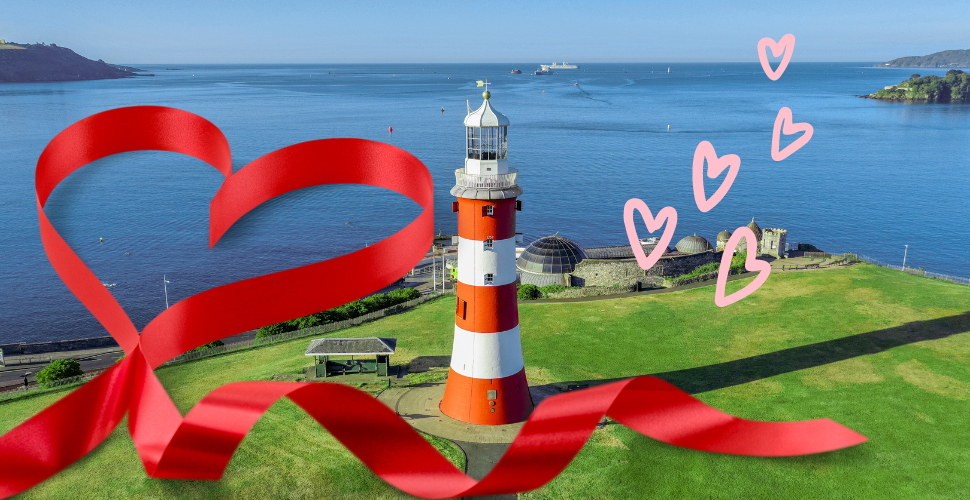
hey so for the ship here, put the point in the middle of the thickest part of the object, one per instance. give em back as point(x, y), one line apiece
point(564, 65)
point(543, 70)
point(516, 72)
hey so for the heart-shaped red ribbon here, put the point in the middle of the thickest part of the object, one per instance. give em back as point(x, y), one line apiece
point(201, 445)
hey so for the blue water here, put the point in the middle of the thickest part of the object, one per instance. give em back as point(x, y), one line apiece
point(875, 176)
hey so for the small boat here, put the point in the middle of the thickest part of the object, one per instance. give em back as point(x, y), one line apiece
point(668, 70)
point(543, 70)
point(516, 72)
point(576, 84)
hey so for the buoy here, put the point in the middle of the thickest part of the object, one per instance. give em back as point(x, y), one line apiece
point(543, 91)
point(390, 129)
point(102, 240)
point(348, 223)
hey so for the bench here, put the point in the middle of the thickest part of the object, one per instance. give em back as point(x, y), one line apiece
point(789, 266)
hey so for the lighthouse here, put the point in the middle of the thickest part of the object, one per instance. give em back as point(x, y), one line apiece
point(486, 380)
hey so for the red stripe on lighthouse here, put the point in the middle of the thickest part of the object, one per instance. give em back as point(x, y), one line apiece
point(486, 308)
point(474, 225)
point(467, 399)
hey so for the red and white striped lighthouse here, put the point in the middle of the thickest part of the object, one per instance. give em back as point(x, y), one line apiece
point(486, 382)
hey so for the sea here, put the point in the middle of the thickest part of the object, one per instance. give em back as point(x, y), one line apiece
point(875, 177)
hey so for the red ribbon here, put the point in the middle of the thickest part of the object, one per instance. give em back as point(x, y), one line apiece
point(200, 445)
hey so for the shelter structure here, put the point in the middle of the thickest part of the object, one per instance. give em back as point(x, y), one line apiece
point(330, 356)
point(486, 380)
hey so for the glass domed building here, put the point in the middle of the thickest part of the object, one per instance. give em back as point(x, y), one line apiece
point(547, 260)
point(693, 244)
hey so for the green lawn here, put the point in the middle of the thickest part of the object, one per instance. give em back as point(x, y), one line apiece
point(908, 397)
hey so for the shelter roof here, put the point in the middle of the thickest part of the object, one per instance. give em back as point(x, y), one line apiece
point(352, 347)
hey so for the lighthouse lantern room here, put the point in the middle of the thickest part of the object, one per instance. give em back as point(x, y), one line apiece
point(486, 381)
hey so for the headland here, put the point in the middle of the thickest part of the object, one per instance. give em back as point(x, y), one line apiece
point(40, 62)
point(954, 87)
point(942, 59)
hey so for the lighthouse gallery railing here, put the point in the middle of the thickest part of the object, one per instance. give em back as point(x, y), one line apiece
point(499, 181)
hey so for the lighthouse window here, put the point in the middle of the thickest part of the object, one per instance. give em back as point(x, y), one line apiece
point(488, 243)
point(489, 278)
point(489, 210)
point(486, 143)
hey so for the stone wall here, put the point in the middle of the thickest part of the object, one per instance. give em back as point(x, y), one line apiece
point(699, 278)
point(626, 272)
point(590, 291)
point(58, 345)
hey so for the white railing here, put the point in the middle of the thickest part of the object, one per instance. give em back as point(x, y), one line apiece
point(497, 181)
point(911, 270)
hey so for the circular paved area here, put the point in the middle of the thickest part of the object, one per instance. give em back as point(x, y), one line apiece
point(419, 406)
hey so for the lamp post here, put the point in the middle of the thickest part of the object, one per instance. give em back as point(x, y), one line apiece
point(165, 283)
point(904, 256)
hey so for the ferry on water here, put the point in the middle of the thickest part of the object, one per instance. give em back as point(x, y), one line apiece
point(564, 65)
point(516, 72)
point(543, 70)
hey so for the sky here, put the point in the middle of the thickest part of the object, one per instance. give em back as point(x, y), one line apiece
point(177, 31)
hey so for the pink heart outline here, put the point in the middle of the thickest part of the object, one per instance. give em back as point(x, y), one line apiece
point(776, 50)
point(785, 118)
point(715, 166)
point(751, 263)
point(666, 214)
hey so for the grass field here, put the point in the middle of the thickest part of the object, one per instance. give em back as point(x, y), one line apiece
point(883, 352)
point(9, 46)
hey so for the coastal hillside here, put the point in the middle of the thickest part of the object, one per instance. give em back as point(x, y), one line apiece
point(943, 59)
point(24, 63)
point(954, 87)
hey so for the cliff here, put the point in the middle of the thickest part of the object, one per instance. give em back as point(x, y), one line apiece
point(21, 63)
point(944, 59)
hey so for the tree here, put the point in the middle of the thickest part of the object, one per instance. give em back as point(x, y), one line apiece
point(59, 369)
point(914, 76)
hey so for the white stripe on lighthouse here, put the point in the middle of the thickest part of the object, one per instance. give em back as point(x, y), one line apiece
point(487, 355)
point(475, 261)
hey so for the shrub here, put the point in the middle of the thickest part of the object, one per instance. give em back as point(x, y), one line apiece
point(210, 345)
point(305, 322)
point(331, 316)
point(59, 369)
point(377, 302)
point(546, 290)
point(528, 292)
point(278, 328)
point(404, 295)
point(355, 309)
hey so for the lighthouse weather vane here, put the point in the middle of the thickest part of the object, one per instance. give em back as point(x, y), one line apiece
point(485, 84)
